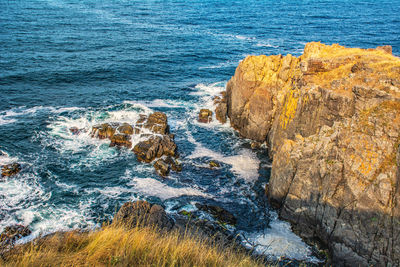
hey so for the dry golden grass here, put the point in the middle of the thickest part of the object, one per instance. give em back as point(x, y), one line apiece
point(115, 246)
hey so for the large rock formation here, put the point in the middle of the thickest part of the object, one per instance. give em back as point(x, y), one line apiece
point(331, 119)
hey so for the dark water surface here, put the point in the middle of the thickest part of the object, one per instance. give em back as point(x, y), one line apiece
point(66, 63)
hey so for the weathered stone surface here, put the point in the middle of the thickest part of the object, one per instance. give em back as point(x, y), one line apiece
point(12, 234)
point(10, 169)
point(155, 147)
point(103, 131)
point(162, 167)
point(121, 140)
point(205, 116)
point(331, 119)
point(125, 128)
point(219, 213)
point(142, 213)
point(157, 122)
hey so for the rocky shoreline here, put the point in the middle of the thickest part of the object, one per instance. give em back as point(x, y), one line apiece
point(331, 122)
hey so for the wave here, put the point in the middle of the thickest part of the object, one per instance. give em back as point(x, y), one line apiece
point(11, 116)
point(279, 241)
point(153, 187)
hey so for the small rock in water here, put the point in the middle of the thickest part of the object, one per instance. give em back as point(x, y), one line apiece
point(10, 169)
point(174, 164)
point(219, 213)
point(162, 168)
point(12, 234)
point(205, 116)
point(214, 164)
point(75, 130)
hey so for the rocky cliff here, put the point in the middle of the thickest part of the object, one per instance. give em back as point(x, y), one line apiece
point(331, 119)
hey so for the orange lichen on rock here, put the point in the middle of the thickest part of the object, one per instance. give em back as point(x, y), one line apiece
point(331, 119)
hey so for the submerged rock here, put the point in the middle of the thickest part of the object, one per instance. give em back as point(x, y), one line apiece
point(331, 120)
point(10, 169)
point(219, 213)
point(75, 130)
point(142, 213)
point(205, 116)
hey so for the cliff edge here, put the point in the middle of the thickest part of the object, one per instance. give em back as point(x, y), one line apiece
point(331, 119)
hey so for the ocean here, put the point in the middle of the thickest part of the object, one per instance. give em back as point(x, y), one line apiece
point(78, 63)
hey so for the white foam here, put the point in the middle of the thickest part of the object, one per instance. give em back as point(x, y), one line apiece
point(6, 159)
point(279, 241)
point(153, 187)
point(245, 163)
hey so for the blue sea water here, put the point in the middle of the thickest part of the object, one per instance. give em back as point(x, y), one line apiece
point(66, 63)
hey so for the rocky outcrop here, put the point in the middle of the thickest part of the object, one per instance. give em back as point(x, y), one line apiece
point(155, 140)
point(331, 119)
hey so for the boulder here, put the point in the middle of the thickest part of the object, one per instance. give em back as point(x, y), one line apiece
point(331, 120)
point(103, 131)
point(121, 140)
point(157, 123)
point(173, 163)
point(125, 128)
point(162, 167)
point(205, 116)
point(155, 147)
point(10, 169)
point(219, 213)
point(12, 234)
point(142, 213)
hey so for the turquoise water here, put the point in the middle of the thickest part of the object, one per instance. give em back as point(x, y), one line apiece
point(68, 63)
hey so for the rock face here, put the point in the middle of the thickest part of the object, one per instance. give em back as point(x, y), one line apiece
point(331, 119)
point(155, 140)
